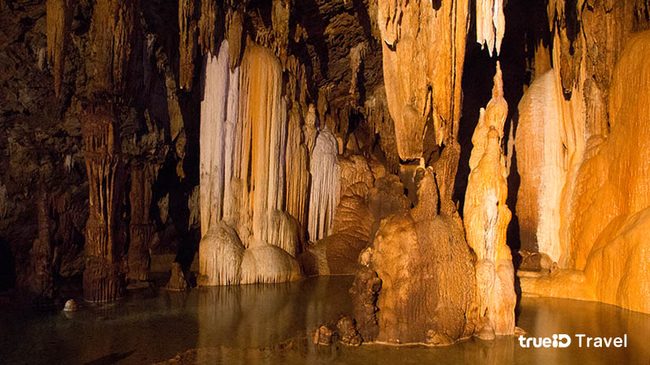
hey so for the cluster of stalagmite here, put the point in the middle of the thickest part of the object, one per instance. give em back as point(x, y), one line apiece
point(487, 216)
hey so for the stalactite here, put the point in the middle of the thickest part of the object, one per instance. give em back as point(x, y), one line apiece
point(209, 31)
point(219, 125)
point(423, 51)
point(104, 273)
point(487, 218)
point(234, 34)
point(297, 168)
point(58, 23)
point(490, 24)
point(324, 195)
point(187, 23)
point(113, 41)
point(141, 227)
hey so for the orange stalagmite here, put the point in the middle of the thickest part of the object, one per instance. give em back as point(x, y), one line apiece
point(487, 217)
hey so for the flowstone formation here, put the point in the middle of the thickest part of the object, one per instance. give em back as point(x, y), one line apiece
point(610, 201)
point(247, 236)
point(487, 217)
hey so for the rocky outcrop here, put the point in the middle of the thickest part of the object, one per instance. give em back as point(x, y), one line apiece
point(423, 261)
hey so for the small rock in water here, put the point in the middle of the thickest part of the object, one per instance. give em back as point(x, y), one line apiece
point(70, 306)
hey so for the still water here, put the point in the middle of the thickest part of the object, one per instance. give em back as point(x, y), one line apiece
point(271, 324)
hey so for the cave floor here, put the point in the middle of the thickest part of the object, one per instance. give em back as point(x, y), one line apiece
point(273, 323)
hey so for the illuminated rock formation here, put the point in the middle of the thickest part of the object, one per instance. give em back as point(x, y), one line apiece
point(324, 195)
point(423, 261)
point(486, 217)
point(244, 123)
point(603, 118)
point(542, 166)
point(490, 24)
point(423, 49)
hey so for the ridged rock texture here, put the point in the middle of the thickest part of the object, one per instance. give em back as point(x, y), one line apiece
point(601, 115)
point(542, 166)
point(140, 226)
point(244, 122)
point(103, 278)
point(427, 275)
point(423, 48)
point(490, 24)
point(487, 217)
point(58, 23)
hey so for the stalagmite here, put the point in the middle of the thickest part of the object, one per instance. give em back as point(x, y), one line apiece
point(325, 185)
point(220, 256)
point(58, 23)
point(490, 24)
point(427, 273)
point(487, 217)
point(542, 167)
point(423, 50)
point(103, 278)
point(141, 227)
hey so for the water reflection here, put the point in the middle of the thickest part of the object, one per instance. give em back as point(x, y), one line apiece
point(271, 324)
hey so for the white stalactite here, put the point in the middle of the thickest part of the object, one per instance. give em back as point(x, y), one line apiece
point(490, 24)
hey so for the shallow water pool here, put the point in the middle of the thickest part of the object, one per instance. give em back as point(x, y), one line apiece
point(272, 323)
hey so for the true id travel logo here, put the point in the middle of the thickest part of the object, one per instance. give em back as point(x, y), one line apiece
point(564, 341)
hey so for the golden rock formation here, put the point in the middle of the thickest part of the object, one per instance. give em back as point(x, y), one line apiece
point(423, 261)
point(487, 217)
point(605, 200)
point(423, 51)
point(490, 24)
point(542, 166)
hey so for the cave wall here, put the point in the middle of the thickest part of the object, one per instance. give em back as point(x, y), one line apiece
point(584, 100)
